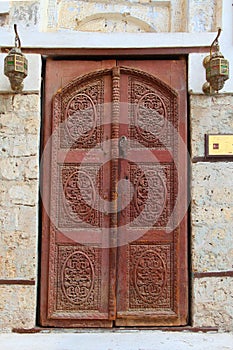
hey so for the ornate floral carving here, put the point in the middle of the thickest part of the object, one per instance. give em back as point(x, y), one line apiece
point(151, 186)
point(77, 192)
point(150, 276)
point(77, 277)
point(154, 194)
point(153, 114)
point(78, 285)
point(81, 115)
point(150, 116)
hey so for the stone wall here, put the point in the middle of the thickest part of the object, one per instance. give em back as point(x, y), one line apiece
point(211, 215)
point(25, 13)
point(159, 16)
point(19, 183)
point(134, 15)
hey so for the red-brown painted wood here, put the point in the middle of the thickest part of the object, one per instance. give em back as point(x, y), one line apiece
point(142, 280)
point(152, 269)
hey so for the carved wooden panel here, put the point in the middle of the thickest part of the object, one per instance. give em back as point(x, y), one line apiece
point(75, 277)
point(154, 114)
point(150, 276)
point(153, 195)
point(155, 187)
point(78, 190)
point(79, 276)
point(140, 280)
point(149, 283)
point(80, 115)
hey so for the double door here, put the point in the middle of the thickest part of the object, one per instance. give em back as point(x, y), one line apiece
point(114, 223)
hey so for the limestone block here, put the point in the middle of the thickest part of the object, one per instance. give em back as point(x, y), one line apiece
point(18, 253)
point(18, 241)
point(18, 193)
point(17, 307)
point(9, 217)
point(19, 218)
point(19, 145)
point(19, 128)
point(25, 13)
point(19, 115)
point(212, 303)
point(14, 195)
point(23, 168)
point(9, 169)
point(212, 216)
point(26, 103)
point(24, 193)
point(30, 168)
point(27, 220)
point(209, 115)
point(202, 15)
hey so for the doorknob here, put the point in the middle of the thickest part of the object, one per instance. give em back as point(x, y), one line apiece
point(123, 145)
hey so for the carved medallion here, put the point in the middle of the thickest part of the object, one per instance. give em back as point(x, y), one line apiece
point(150, 276)
point(77, 277)
point(77, 192)
point(80, 117)
point(78, 284)
point(150, 195)
point(150, 117)
point(154, 194)
point(153, 114)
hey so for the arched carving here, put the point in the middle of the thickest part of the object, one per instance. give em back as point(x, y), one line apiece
point(114, 22)
point(77, 83)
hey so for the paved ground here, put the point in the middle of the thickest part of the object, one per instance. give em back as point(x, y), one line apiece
point(120, 340)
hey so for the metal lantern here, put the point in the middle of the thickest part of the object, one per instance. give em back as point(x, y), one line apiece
point(16, 65)
point(217, 68)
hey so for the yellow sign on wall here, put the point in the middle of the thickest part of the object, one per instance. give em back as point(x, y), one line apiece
point(219, 145)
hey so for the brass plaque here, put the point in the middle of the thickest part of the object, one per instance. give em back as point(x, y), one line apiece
point(219, 145)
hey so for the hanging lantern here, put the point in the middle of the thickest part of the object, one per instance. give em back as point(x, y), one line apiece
point(217, 68)
point(16, 65)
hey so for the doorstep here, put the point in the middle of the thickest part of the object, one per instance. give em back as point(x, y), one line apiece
point(117, 340)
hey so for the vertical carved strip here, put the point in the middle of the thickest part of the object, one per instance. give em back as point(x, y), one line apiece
point(114, 182)
point(115, 138)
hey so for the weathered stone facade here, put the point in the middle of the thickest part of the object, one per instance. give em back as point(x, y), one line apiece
point(211, 214)
point(19, 177)
point(20, 123)
point(115, 15)
point(212, 303)
point(17, 307)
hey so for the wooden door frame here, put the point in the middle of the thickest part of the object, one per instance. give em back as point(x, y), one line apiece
point(137, 54)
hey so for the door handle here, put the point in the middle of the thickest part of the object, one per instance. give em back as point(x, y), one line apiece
point(123, 146)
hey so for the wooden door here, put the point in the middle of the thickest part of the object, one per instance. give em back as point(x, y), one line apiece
point(114, 180)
